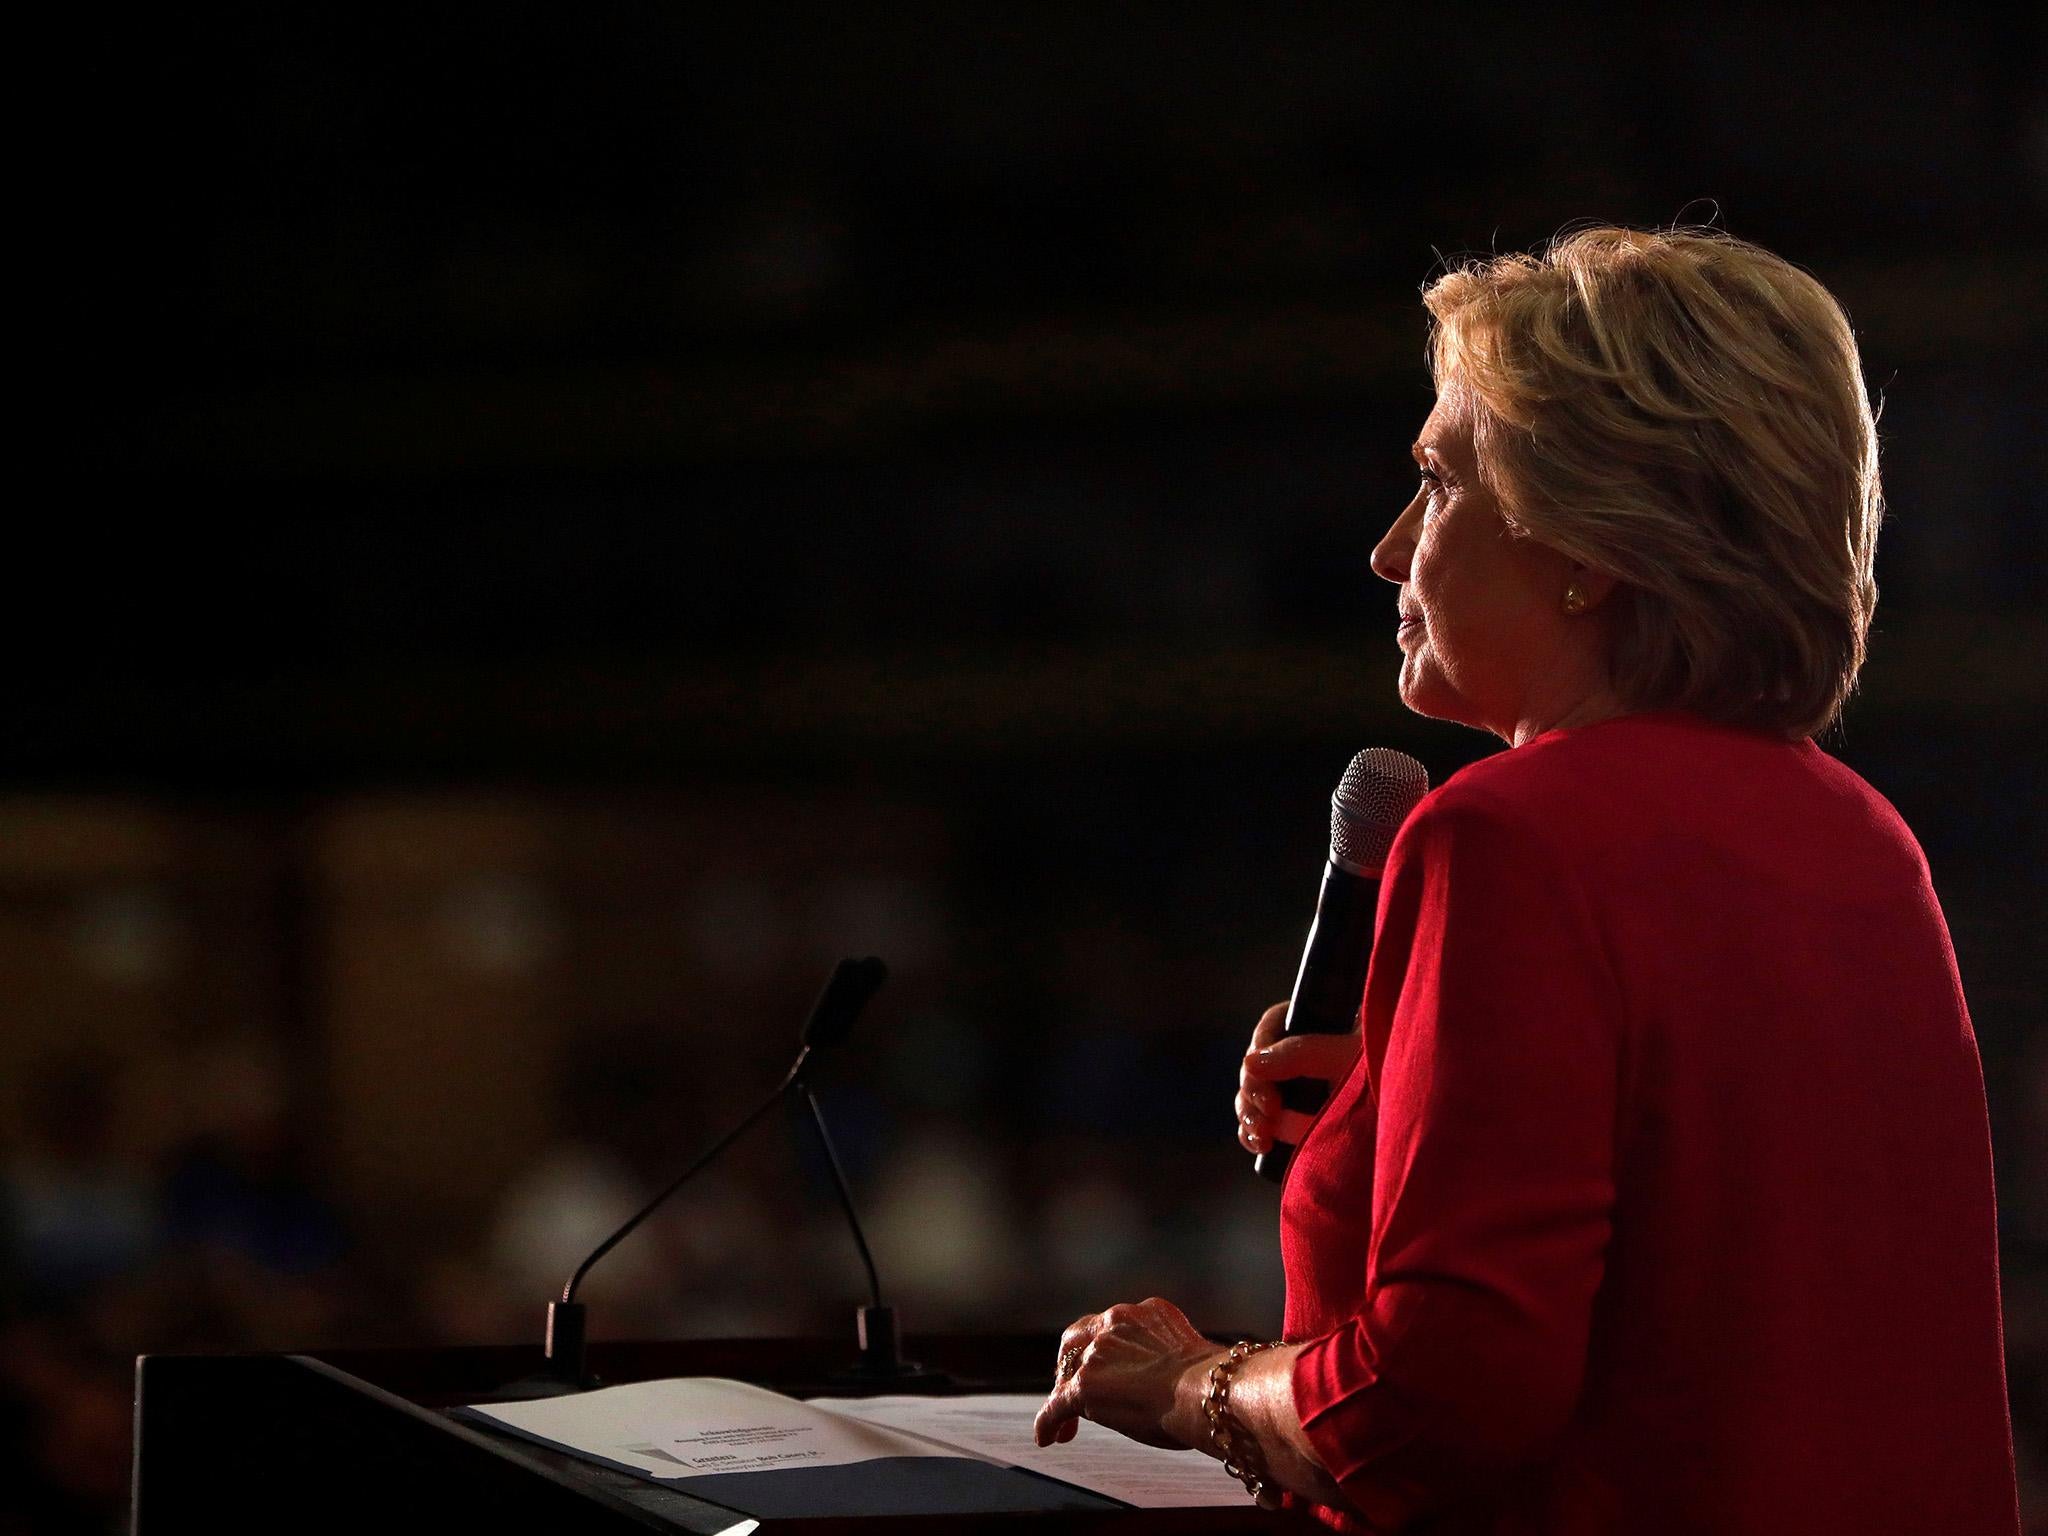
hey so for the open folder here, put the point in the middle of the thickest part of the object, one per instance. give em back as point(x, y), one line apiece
point(770, 1456)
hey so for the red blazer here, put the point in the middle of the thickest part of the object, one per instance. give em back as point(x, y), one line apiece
point(1660, 1200)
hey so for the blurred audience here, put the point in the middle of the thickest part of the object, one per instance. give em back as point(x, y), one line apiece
point(1032, 1127)
point(79, 1215)
point(219, 1240)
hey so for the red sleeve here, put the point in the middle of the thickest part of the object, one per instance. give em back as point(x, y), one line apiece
point(1492, 1038)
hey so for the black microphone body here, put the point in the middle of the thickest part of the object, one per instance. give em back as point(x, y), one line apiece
point(1327, 989)
point(1375, 796)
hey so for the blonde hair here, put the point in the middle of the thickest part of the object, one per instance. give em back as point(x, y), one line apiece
point(1685, 411)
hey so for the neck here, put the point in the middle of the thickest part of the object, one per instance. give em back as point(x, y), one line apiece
point(1580, 706)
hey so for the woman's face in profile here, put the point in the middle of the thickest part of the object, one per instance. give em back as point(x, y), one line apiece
point(1479, 604)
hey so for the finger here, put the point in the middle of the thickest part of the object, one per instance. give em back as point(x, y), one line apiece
point(1303, 1056)
point(1321, 1056)
point(1077, 1335)
point(1254, 1096)
point(1055, 1410)
point(1288, 1126)
point(1260, 1132)
point(1263, 1117)
point(1254, 1135)
point(1257, 1114)
point(1268, 1115)
point(1060, 1408)
point(1267, 1030)
point(1258, 1098)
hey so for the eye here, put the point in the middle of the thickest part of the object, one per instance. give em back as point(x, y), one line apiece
point(1432, 483)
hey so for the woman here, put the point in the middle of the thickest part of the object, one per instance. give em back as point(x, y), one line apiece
point(1654, 1194)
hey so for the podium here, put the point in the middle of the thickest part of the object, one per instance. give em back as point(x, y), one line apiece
point(361, 1440)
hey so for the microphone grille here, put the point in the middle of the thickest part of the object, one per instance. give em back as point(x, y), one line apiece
point(1373, 798)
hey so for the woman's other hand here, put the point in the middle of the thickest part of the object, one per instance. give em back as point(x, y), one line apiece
point(1138, 1369)
point(1273, 1058)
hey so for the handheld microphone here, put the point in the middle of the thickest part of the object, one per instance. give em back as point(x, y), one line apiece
point(1371, 801)
point(848, 990)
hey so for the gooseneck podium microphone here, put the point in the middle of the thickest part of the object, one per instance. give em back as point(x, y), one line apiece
point(881, 1342)
point(847, 991)
point(1373, 798)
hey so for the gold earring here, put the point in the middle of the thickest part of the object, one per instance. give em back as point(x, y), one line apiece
point(1574, 600)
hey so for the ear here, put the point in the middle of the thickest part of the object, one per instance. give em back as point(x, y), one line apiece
point(1594, 585)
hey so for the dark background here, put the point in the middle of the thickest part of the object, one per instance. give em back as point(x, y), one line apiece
point(538, 532)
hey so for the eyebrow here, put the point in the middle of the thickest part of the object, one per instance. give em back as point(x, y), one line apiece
point(1421, 450)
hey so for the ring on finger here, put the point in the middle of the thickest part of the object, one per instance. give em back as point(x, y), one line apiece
point(1069, 1363)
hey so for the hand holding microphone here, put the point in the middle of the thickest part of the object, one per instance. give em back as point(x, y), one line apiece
point(1275, 1057)
point(1373, 799)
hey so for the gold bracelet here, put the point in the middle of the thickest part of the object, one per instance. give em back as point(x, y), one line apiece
point(1239, 1450)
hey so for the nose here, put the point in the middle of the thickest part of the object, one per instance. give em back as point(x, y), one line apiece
point(1391, 556)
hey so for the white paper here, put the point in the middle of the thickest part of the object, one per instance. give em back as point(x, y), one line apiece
point(998, 1426)
point(694, 1426)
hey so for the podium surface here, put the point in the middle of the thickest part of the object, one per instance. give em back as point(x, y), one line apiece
point(362, 1440)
